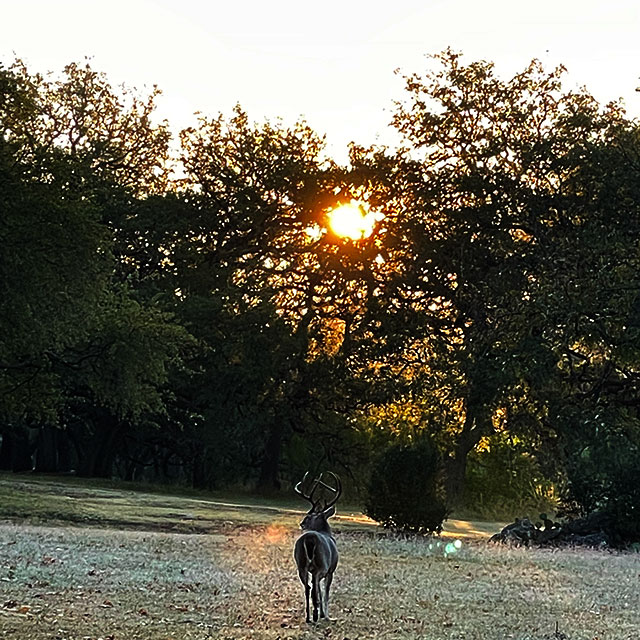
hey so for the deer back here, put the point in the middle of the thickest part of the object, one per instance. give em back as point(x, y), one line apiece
point(316, 548)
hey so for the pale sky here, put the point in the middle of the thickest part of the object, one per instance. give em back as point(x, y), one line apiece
point(331, 62)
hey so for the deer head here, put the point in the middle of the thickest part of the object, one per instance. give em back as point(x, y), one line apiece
point(321, 507)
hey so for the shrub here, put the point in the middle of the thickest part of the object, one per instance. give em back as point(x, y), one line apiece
point(405, 490)
point(604, 477)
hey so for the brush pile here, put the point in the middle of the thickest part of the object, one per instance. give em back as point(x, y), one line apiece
point(592, 531)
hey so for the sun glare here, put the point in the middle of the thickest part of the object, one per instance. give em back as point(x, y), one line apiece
point(352, 220)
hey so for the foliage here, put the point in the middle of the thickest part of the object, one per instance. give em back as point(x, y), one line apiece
point(109, 133)
point(405, 489)
point(603, 477)
point(500, 211)
point(293, 322)
point(590, 296)
point(52, 270)
point(75, 344)
point(504, 480)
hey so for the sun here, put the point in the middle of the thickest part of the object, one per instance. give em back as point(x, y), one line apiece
point(352, 220)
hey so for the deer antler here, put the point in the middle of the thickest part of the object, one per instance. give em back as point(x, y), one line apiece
point(337, 490)
point(309, 496)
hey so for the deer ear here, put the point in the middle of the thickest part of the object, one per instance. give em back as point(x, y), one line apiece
point(327, 513)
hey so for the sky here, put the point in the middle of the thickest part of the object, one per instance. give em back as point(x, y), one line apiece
point(331, 63)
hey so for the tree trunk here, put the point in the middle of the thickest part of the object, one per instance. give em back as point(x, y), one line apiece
point(46, 450)
point(456, 465)
point(96, 449)
point(199, 474)
point(17, 449)
point(6, 452)
point(63, 445)
point(270, 468)
point(110, 429)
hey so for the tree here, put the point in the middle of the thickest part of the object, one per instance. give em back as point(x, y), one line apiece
point(252, 252)
point(484, 199)
point(246, 257)
point(592, 315)
point(110, 135)
point(72, 159)
point(53, 263)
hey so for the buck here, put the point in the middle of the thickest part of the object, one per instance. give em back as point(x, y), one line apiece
point(315, 551)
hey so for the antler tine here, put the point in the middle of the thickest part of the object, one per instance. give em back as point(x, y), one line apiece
point(337, 490)
point(298, 487)
point(309, 496)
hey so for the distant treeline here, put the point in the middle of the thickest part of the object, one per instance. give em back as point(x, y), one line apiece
point(208, 329)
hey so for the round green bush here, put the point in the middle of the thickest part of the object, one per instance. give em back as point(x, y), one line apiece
point(405, 490)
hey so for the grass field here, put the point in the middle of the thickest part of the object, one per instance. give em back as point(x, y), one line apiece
point(84, 561)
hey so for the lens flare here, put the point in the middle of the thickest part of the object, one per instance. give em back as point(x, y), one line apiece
point(452, 547)
point(275, 534)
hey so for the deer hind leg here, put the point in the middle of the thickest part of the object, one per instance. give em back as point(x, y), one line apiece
point(327, 586)
point(316, 596)
point(304, 578)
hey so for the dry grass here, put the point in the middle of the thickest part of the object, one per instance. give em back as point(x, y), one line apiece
point(238, 581)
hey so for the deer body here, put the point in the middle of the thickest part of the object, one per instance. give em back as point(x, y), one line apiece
point(316, 554)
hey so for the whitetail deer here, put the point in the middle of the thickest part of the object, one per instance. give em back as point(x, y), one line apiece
point(315, 552)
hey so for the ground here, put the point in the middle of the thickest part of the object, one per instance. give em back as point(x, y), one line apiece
point(134, 565)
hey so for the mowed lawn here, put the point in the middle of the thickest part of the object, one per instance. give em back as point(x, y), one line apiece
point(116, 564)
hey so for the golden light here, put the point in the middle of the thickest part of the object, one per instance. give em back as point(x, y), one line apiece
point(352, 220)
point(315, 231)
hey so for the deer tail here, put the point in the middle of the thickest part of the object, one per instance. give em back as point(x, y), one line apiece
point(309, 544)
